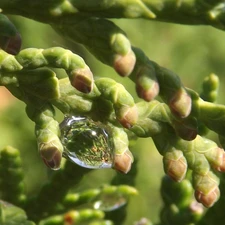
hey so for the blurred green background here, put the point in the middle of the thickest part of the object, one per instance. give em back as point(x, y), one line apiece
point(193, 52)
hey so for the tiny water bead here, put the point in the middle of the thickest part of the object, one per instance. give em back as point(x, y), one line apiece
point(86, 142)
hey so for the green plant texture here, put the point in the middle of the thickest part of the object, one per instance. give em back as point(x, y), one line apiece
point(102, 109)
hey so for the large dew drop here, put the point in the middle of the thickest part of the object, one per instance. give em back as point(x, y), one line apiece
point(86, 142)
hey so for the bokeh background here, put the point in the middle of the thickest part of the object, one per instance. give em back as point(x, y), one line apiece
point(193, 52)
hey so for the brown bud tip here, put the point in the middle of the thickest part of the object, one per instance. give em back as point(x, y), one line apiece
point(123, 162)
point(181, 103)
point(187, 130)
point(219, 160)
point(124, 65)
point(175, 168)
point(11, 45)
point(69, 218)
point(51, 156)
point(149, 94)
point(82, 80)
point(129, 116)
point(208, 199)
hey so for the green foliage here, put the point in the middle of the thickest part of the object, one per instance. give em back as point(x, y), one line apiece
point(176, 118)
point(11, 215)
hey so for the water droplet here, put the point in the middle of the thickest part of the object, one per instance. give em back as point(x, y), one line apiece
point(110, 201)
point(86, 142)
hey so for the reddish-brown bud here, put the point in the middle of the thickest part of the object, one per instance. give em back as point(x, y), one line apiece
point(217, 159)
point(147, 86)
point(148, 94)
point(181, 103)
point(11, 45)
point(124, 64)
point(82, 80)
point(128, 116)
point(175, 165)
point(69, 218)
point(186, 129)
point(208, 199)
point(51, 156)
point(221, 168)
point(123, 162)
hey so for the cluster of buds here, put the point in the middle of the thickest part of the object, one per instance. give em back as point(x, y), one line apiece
point(113, 48)
point(180, 208)
point(199, 155)
point(169, 124)
point(173, 124)
point(50, 204)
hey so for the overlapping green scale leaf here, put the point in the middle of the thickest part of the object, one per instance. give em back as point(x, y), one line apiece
point(12, 215)
point(11, 176)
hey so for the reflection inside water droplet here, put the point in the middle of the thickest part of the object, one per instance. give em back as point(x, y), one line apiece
point(86, 142)
point(109, 202)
